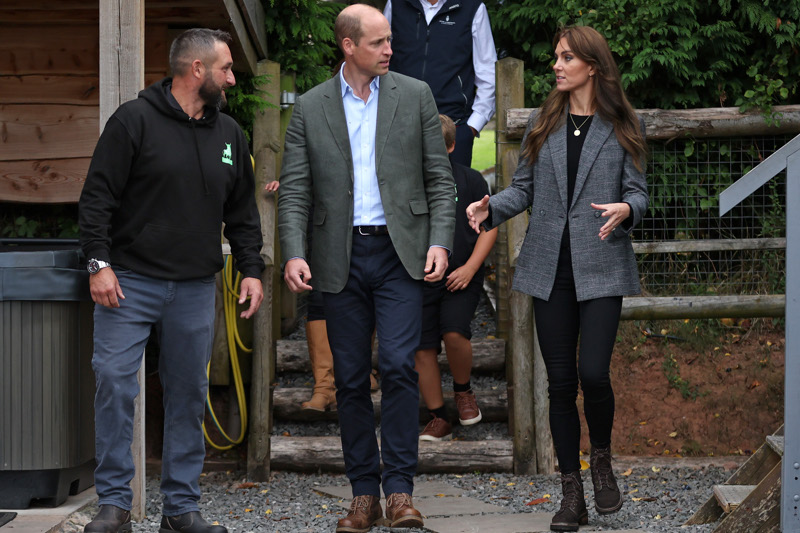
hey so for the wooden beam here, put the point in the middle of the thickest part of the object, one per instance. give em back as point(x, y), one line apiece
point(669, 124)
point(50, 89)
point(679, 307)
point(242, 46)
point(708, 245)
point(43, 181)
point(49, 50)
point(121, 77)
point(254, 15)
point(312, 454)
point(47, 131)
point(266, 145)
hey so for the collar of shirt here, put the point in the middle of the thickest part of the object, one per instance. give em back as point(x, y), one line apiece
point(430, 10)
point(362, 118)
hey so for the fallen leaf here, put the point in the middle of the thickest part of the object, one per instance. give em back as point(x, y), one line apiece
point(440, 495)
point(655, 469)
point(658, 517)
point(754, 384)
point(246, 485)
point(628, 472)
point(264, 491)
point(248, 510)
point(324, 506)
point(636, 499)
point(584, 465)
point(664, 331)
point(546, 496)
point(673, 434)
point(537, 501)
point(634, 491)
point(643, 423)
point(510, 484)
point(268, 511)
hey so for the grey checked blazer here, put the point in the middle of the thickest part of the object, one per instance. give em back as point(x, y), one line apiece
point(606, 174)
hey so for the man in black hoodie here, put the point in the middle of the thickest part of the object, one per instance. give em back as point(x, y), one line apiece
point(168, 171)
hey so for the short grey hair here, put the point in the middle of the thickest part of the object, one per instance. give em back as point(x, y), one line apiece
point(197, 43)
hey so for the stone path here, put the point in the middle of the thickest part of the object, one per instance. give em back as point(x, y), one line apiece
point(447, 510)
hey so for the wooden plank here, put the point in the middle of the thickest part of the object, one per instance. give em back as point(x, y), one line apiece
point(311, 454)
point(730, 496)
point(665, 125)
point(489, 356)
point(545, 450)
point(50, 89)
point(266, 131)
point(759, 512)
point(286, 401)
point(254, 15)
point(671, 307)
point(44, 181)
point(244, 54)
point(47, 131)
point(751, 472)
point(708, 245)
point(521, 384)
point(72, 49)
point(775, 442)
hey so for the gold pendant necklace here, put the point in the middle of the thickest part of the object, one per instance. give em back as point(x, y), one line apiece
point(577, 131)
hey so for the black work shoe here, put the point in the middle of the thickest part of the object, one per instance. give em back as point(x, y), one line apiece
point(188, 523)
point(607, 498)
point(573, 507)
point(110, 519)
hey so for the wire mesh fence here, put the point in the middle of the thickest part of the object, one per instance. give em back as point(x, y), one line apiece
point(685, 177)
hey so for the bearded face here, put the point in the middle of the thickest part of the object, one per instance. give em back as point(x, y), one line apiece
point(213, 93)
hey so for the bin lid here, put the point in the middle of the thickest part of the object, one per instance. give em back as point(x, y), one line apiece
point(50, 275)
point(41, 258)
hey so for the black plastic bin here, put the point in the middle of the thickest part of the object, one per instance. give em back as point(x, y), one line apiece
point(46, 379)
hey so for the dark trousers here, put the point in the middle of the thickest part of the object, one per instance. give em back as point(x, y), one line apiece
point(561, 322)
point(380, 292)
point(464, 139)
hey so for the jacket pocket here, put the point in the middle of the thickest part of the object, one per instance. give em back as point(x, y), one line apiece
point(418, 207)
point(319, 215)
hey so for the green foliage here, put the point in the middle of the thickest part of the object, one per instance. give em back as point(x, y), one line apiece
point(300, 37)
point(38, 221)
point(245, 99)
point(677, 54)
point(672, 372)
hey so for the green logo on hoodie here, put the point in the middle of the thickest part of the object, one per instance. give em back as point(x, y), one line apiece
point(226, 154)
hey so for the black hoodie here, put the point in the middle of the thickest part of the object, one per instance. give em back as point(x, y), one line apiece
point(161, 184)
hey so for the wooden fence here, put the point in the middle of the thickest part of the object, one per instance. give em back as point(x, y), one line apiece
point(527, 380)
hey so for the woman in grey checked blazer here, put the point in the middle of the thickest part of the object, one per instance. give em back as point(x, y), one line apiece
point(582, 173)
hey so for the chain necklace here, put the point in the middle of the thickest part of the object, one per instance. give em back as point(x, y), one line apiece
point(577, 131)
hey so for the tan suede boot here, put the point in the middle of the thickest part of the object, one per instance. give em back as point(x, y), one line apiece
point(319, 351)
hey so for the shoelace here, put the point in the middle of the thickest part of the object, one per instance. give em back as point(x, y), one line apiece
point(405, 500)
point(360, 502)
point(601, 469)
point(571, 491)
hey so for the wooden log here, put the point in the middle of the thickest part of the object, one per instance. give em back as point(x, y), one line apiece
point(287, 400)
point(47, 131)
point(708, 245)
point(545, 451)
point(311, 454)
point(521, 384)
point(43, 180)
point(510, 94)
point(266, 131)
point(489, 356)
point(669, 124)
point(674, 307)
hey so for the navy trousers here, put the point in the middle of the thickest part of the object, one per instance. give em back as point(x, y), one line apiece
point(379, 292)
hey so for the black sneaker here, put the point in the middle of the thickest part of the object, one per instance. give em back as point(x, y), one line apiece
point(607, 498)
point(110, 519)
point(188, 523)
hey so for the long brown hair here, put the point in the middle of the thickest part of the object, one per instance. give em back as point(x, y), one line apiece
point(609, 98)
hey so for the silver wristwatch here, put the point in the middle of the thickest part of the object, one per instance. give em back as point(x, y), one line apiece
point(95, 265)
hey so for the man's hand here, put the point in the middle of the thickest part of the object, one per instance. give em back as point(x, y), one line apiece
point(436, 264)
point(105, 288)
point(477, 212)
point(251, 288)
point(296, 273)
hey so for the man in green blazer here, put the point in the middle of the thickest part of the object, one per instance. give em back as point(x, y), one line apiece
point(365, 148)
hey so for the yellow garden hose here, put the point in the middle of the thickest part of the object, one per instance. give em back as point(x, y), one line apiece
point(230, 300)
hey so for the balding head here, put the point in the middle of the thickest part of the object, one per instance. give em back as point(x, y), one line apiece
point(349, 23)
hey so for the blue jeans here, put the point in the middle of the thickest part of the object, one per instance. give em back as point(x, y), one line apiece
point(183, 315)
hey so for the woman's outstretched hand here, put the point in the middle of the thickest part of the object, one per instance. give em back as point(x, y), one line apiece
point(477, 212)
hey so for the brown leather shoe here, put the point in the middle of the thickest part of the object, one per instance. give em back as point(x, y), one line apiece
point(365, 512)
point(467, 405)
point(400, 511)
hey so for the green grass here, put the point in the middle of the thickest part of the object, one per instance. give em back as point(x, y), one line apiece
point(483, 151)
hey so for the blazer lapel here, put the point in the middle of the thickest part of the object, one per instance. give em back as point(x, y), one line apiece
point(387, 107)
point(557, 143)
point(337, 122)
point(595, 138)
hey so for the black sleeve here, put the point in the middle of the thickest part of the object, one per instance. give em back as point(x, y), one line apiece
point(100, 198)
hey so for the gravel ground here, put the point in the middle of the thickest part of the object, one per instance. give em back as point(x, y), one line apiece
point(658, 498)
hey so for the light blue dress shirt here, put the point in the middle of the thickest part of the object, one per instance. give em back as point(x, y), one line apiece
point(362, 118)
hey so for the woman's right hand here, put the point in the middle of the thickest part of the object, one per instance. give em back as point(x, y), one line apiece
point(477, 212)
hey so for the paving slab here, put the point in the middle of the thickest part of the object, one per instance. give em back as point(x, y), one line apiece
point(505, 523)
point(421, 490)
point(48, 519)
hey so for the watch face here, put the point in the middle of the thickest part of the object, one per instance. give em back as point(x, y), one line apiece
point(93, 266)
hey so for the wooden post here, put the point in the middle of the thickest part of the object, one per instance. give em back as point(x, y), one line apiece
point(121, 78)
point(266, 148)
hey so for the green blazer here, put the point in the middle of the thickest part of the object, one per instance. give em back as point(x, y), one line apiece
point(414, 178)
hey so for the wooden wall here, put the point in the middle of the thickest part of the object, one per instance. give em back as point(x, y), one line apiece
point(49, 96)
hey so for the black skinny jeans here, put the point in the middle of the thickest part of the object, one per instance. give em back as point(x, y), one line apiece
point(560, 322)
